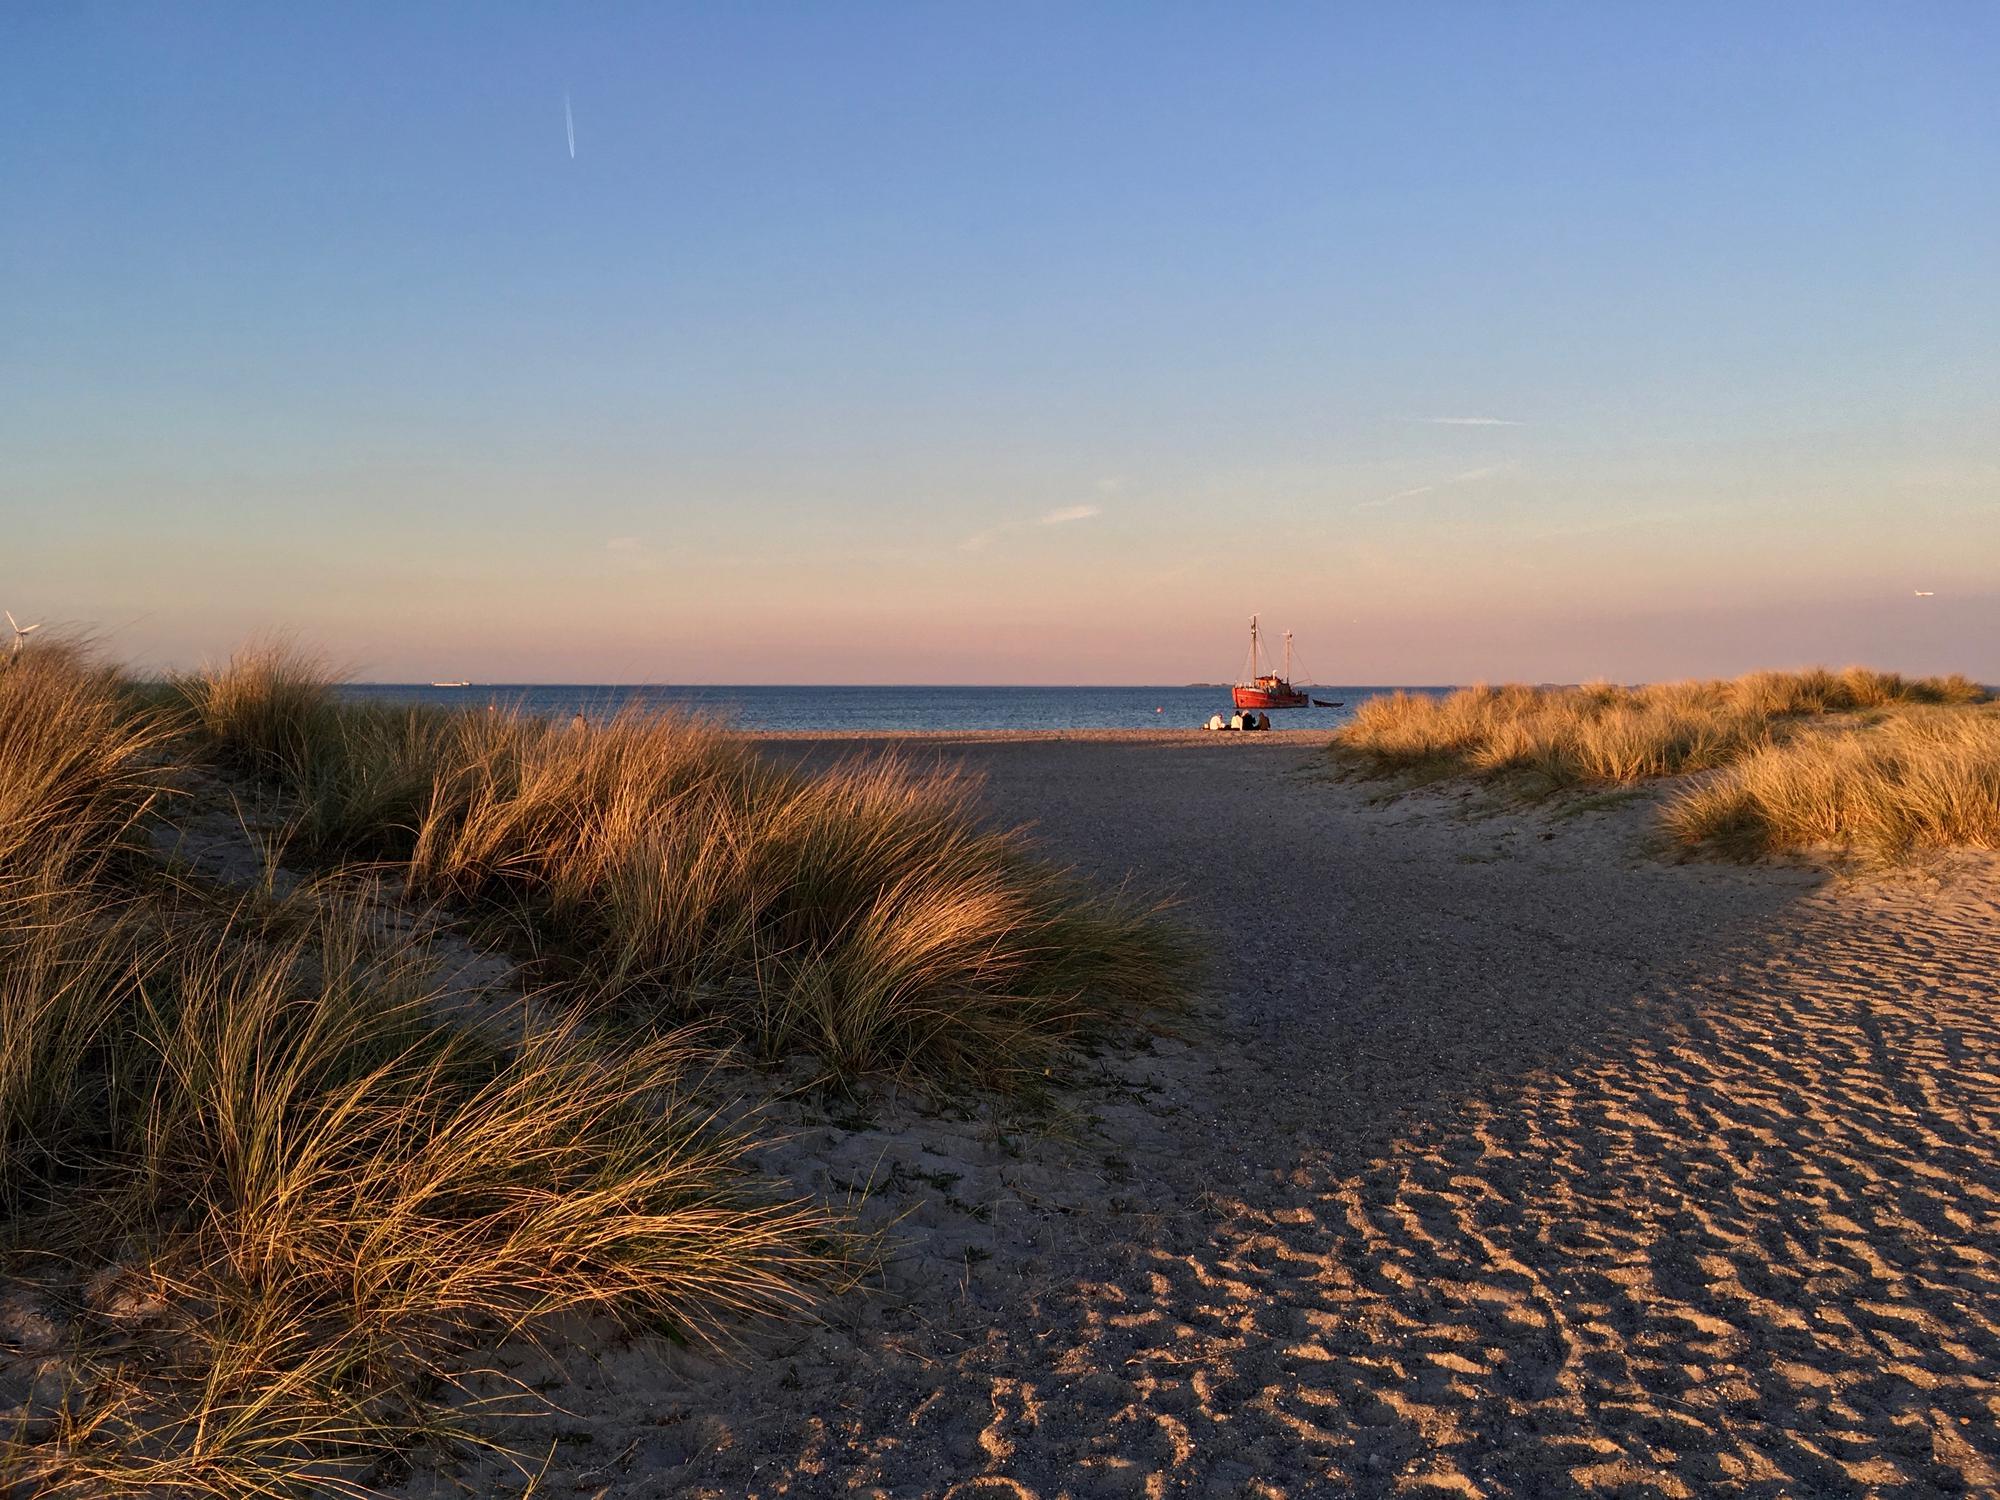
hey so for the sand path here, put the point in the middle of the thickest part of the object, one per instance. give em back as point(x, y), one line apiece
point(1506, 1159)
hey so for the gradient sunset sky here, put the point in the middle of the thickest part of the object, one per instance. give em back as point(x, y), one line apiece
point(1007, 343)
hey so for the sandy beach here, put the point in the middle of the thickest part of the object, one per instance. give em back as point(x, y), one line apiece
point(621, 870)
point(1501, 1156)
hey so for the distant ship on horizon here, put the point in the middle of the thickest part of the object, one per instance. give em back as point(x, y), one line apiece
point(451, 684)
point(1268, 689)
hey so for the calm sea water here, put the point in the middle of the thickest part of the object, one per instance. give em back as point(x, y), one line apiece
point(888, 708)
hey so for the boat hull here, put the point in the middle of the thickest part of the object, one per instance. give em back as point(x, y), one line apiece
point(1246, 696)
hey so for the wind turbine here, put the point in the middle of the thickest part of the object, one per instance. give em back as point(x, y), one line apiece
point(21, 632)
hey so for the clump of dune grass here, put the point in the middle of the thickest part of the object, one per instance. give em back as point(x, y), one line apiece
point(860, 913)
point(1924, 779)
point(1819, 691)
point(78, 775)
point(1606, 734)
point(289, 1196)
point(268, 708)
point(78, 771)
point(331, 1198)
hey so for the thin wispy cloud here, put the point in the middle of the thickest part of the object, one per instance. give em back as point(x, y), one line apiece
point(1409, 494)
point(1466, 476)
point(1063, 517)
point(1470, 421)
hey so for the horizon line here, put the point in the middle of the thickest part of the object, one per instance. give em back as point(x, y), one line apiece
point(1022, 686)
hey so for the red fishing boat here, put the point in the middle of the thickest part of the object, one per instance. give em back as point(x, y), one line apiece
point(1263, 689)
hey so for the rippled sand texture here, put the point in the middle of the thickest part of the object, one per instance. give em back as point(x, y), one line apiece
point(1528, 1165)
point(1754, 1249)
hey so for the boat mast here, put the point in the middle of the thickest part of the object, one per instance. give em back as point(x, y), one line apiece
point(1288, 658)
point(1253, 648)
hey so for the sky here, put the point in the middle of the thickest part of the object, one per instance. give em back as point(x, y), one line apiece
point(1004, 344)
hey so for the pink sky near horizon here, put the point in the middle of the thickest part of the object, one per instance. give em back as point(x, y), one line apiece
point(1917, 635)
point(1543, 569)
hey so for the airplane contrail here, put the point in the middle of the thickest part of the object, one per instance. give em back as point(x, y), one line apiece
point(569, 122)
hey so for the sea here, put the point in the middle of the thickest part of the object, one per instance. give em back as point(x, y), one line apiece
point(884, 709)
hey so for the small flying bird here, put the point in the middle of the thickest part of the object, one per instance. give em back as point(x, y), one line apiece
point(1925, 593)
point(21, 632)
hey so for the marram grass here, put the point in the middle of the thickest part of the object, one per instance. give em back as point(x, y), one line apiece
point(861, 913)
point(1863, 760)
point(293, 1198)
point(1923, 780)
point(290, 1196)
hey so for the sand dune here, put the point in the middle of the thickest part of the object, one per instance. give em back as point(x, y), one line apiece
point(1529, 1164)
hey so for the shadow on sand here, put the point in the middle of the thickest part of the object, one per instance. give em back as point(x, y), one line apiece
point(1536, 1170)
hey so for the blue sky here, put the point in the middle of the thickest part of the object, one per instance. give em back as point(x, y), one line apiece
point(1022, 343)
